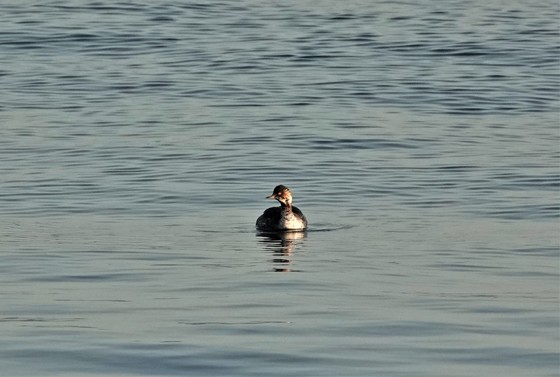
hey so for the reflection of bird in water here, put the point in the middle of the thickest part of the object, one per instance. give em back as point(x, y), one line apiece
point(282, 245)
point(285, 217)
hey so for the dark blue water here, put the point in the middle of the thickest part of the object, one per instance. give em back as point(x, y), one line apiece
point(139, 139)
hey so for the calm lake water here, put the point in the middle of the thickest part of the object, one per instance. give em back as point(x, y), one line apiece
point(138, 140)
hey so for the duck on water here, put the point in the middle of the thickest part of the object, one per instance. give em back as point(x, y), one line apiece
point(285, 217)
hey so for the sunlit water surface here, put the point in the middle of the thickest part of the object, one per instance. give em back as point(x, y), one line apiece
point(139, 139)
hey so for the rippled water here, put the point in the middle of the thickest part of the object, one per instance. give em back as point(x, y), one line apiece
point(138, 141)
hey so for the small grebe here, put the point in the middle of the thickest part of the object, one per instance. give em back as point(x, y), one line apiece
point(285, 217)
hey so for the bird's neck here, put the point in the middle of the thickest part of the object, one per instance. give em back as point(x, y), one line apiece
point(286, 207)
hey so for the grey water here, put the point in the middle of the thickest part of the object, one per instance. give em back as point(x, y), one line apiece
point(139, 139)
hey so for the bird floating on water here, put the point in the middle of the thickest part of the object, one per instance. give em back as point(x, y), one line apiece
point(285, 217)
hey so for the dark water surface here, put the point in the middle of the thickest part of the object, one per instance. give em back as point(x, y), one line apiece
point(138, 140)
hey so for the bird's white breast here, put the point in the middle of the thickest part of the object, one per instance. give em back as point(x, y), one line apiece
point(289, 221)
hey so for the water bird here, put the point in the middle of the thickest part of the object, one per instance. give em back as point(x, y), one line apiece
point(285, 217)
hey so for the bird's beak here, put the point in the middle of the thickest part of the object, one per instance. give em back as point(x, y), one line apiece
point(271, 196)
